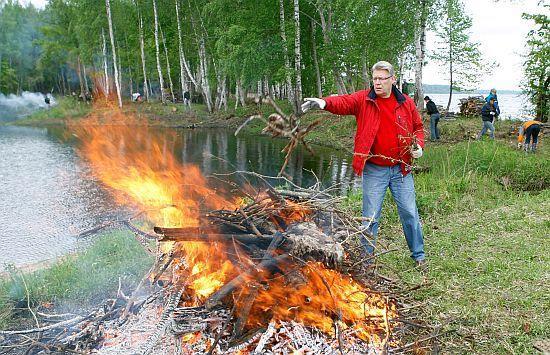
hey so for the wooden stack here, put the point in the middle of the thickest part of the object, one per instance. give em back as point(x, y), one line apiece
point(471, 106)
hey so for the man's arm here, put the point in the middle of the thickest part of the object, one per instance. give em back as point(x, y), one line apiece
point(345, 104)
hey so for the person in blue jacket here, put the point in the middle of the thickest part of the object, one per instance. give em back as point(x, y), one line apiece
point(493, 95)
point(488, 115)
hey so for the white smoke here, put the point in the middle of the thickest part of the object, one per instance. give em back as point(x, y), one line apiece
point(13, 107)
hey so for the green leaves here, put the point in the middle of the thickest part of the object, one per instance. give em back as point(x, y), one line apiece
point(537, 65)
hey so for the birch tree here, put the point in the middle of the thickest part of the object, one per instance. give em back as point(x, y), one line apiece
point(420, 51)
point(142, 52)
point(105, 70)
point(113, 49)
point(159, 69)
point(297, 57)
point(288, 71)
point(457, 52)
point(537, 65)
point(168, 70)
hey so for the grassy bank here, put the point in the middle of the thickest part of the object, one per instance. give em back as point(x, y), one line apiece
point(66, 108)
point(484, 207)
point(487, 235)
point(75, 282)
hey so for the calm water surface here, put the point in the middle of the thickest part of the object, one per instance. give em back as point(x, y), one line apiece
point(49, 195)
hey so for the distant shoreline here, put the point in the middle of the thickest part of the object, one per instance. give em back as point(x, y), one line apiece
point(444, 89)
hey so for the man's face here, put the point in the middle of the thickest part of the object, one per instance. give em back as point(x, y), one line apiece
point(383, 82)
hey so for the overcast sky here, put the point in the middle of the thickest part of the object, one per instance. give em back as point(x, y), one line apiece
point(498, 27)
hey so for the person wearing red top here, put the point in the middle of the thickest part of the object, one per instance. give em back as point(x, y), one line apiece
point(389, 135)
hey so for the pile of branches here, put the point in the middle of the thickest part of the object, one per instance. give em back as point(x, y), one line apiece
point(471, 106)
point(268, 240)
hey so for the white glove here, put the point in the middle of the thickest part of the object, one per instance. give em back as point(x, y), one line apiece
point(492, 113)
point(313, 103)
point(416, 153)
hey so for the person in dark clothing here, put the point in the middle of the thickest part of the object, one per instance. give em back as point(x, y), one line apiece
point(529, 135)
point(488, 115)
point(434, 118)
point(187, 99)
point(47, 99)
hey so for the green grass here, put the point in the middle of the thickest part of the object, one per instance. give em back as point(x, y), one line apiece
point(76, 282)
point(66, 108)
point(488, 246)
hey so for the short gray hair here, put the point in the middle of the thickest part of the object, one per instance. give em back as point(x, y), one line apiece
point(383, 65)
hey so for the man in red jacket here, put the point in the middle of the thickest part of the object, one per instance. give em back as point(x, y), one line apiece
point(389, 135)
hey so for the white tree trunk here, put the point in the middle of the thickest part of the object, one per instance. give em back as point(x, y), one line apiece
point(420, 44)
point(291, 97)
point(241, 92)
point(111, 34)
point(205, 85)
point(79, 73)
point(183, 62)
point(157, 51)
point(366, 80)
point(106, 82)
point(168, 66)
point(142, 49)
point(297, 57)
point(326, 27)
point(86, 86)
point(315, 60)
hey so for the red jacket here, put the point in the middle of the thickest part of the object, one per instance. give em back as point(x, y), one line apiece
point(362, 104)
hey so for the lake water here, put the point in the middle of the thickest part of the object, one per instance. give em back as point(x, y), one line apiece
point(49, 196)
point(512, 106)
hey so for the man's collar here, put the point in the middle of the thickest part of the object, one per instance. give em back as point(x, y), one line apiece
point(398, 95)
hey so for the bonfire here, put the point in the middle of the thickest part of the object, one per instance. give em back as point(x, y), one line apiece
point(260, 270)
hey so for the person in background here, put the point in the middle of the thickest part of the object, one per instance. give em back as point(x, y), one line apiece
point(493, 95)
point(389, 136)
point(187, 99)
point(529, 135)
point(488, 115)
point(47, 99)
point(432, 110)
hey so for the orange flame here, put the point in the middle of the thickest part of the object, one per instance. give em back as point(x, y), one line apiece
point(327, 296)
point(137, 165)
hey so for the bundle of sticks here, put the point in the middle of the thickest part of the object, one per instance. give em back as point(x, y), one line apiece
point(471, 106)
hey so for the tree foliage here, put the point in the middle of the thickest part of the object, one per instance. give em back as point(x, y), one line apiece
point(227, 45)
point(537, 65)
point(456, 51)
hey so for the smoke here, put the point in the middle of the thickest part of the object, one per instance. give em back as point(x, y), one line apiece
point(13, 107)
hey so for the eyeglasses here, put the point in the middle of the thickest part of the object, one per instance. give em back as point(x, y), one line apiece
point(381, 79)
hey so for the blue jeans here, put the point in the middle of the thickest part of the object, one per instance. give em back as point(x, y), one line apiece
point(487, 126)
point(376, 180)
point(434, 131)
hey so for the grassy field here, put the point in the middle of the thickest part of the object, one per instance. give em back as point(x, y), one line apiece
point(77, 281)
point(487, 235)
point(484, 208)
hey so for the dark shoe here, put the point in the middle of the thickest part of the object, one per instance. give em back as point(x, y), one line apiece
point(421, 265)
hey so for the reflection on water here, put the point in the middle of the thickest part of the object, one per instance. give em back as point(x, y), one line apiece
point(49, 194)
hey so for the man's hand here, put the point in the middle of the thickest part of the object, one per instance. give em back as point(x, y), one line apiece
point(416, 152)
point(313, 103)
